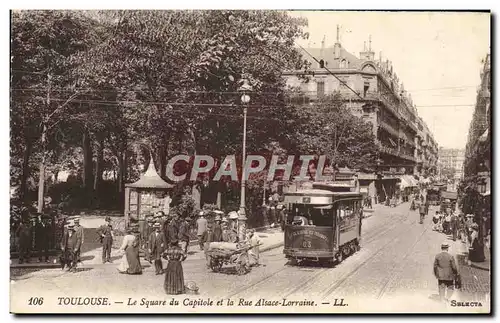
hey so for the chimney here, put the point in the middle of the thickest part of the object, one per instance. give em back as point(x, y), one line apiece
point(337, 46)
point(322, 52)
point(367, 54)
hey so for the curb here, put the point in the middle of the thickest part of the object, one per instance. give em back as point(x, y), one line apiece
point(480, 267)
point(35, 266)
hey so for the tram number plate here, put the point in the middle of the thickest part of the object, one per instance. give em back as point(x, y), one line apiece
point(306, 244)
point(306, 199)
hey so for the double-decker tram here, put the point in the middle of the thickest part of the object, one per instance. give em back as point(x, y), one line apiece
point(323, 222)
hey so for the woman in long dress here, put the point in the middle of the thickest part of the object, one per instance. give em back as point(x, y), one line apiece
point(475, 252)
point(174, 274)
point(130, 262)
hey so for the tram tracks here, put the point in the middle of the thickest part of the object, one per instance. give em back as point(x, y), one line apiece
point(371, 236)
point(388, 280)
point(374, 235)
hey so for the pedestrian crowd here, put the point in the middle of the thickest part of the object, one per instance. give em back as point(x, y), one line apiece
point(158, 236)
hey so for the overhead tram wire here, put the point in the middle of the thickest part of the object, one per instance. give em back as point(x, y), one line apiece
point(116, 103)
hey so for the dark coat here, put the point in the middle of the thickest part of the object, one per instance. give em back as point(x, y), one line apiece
point(42, 230)
point(172, 234)
point(445, 267)
point(157, 245)
point(217, 233)
point(79, 232)
point(105, 230)
point(184, 231)
point(72, 243)
point(23, 232)
point(208, 236)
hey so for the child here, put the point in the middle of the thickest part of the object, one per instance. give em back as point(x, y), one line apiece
point(254, 252)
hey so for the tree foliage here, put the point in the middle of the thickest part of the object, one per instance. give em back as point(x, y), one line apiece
point(128, 85)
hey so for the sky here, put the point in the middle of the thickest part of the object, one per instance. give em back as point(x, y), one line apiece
point(437, 55)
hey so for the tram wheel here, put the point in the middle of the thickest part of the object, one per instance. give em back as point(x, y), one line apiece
point(339, 257)
point(216, 265)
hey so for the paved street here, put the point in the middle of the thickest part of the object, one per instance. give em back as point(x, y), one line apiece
point(395, 262)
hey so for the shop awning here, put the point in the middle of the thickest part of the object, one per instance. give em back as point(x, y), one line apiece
point(408, 181)
point(449, 195)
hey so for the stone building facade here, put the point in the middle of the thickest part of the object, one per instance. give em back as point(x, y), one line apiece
point(406, 145)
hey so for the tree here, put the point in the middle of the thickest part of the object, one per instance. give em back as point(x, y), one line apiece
point(43, 45)
point(328, 128)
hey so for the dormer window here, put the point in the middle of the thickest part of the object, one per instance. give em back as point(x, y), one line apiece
point(343, 63)
point(321, 64)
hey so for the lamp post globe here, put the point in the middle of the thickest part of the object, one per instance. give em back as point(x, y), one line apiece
point(245, 98)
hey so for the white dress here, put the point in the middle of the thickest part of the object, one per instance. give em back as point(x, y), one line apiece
point(254, 252)
point(127, 241)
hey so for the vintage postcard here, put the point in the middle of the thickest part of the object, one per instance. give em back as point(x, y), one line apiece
point(214, 161)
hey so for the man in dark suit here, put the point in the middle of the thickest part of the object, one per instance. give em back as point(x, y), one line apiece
point(156, 247)
point(79, 233)
point(172, 234)
point(42, 237)
point(106, 234)
point(184, 234)
point(23, 234)
point(454, 225)
point(445, 270)
point(70, 244)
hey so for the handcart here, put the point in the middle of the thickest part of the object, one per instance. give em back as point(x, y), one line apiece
point(224, 253)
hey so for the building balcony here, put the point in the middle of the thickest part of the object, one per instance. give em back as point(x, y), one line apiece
point(390, 129)
point(385, 101)
point(394, 152)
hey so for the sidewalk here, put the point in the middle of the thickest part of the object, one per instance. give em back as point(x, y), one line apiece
point(270, 239)
point(476, 278)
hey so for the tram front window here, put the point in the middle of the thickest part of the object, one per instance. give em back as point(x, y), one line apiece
point(315, 215)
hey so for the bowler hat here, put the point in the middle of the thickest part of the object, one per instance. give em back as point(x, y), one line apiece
point(445, 245)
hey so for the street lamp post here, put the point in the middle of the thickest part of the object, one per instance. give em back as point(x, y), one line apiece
point(242, 218)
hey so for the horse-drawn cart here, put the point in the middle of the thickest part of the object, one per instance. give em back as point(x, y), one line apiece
point(223, 253)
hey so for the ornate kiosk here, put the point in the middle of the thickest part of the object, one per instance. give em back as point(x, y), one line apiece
point(148, 195)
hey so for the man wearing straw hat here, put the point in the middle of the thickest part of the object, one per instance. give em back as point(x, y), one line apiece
point(445, 270)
